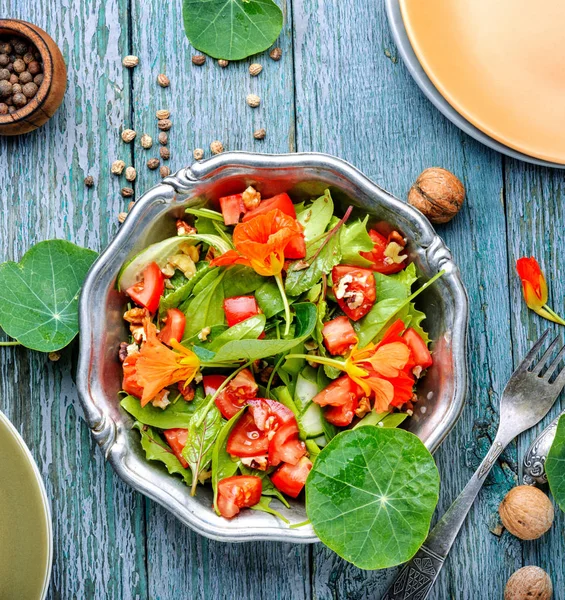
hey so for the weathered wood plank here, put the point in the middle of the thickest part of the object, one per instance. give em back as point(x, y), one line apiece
point(98, 521)
point(535, 212)
point(208, 103)
point(377, 118)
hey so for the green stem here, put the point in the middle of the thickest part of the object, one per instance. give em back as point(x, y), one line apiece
point(272, 376)
point(287, 317)
point(10, 343)
point(323, 360)
point(556, 317)
point(218, 392)
point(331, 233)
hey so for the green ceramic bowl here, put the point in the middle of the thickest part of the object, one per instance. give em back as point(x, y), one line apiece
point(26, 535)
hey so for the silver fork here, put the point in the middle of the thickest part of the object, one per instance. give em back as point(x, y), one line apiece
point(526, 399)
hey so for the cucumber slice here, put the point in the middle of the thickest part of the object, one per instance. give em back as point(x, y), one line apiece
point(312, 421)
point(161, 252)
point(306, 387)
point(321, 441)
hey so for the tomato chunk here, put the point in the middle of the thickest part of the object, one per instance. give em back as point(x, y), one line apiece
point(381, 262)
point(240, 308)
point(340, 392)
point(234, 396)
point(237, 492)
point(354, 289)
point(175, 322)
point(129, 382)
point(280, 201)
point(420, 353)
point(246, 440)
point(339, 335)
point(149, 290)
point(232, 207)
point(290, 479)
point(296, 248)
point(269, 415)
point(342, 415)
point(286, 446)
point(176, 438)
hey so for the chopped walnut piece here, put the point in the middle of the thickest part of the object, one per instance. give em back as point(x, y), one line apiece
point(251, 198)
point(138, 333)
point(396, 237)
point(184, 263)
point(168, 270)
point(136, 315)
point(192, 251)
point(363, 408)
point(204, 333)
point(123, 351)
point(392, 252)
point(161, 400)
point(187, 391)
point(183, 228)
point(255, 462)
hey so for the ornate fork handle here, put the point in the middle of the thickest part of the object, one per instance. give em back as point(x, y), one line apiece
point(417, 577)
point(536, 455)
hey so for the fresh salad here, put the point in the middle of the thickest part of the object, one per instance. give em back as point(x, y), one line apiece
point(258, 333)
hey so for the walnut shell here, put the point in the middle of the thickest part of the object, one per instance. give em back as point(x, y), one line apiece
point(438, 194)
point(529, 583)
point(526, 512)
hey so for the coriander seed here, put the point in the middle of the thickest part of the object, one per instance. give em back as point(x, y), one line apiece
point(38, 79)
point(223, 63)
point(198, 60)
point(131, 174)
point(153, 163)
point(54, 356)
point(164, 152)
point(131, 205)
point(164, 124)
point(164, 171)
point(199, 153)
point(255, 69)
point(253, 100)
point(127, 192)
point(19, 66)
point(14, 78)
point(28, 57)
point(25, 77)
point(5, 88)
point(163, 80)
point(19, 100)
point(162, 114)
point(275, 53)
point(146, 141)
point(4, 60)
point(163, 138)
point(260, 134)
point(216, 147)
point(29, 90)
point(130, 61)
point(128, 135)
point(5, 75)
point(16, 88)
point(89, 181)
point(118, 167)
point(122, 217)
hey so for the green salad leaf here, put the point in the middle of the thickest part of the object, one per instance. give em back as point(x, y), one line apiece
point(240, 280)
point(156, 449)
point(223, 464)
point(206, 309)
point(371, 494)
point(397, 286)
point(317, 216)
point(264, 505)
point(268, 298)
point(555, 465)
point(39, 295)
point(231, 29)
point(250, 329)
point(355, 239)
point(374, 321)
point(175, 415)
point(414, 320)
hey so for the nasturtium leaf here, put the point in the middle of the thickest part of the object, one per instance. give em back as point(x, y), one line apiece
point(175, 415)
point(231, 29)
point(555, 465)
point(39, 295)
point(371, 494)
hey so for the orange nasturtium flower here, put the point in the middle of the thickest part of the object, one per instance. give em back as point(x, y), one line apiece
point(158, 366)
point(260, 243)
point(534, 287)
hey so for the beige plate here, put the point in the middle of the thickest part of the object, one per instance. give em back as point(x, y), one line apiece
point(25, 521)
point(500, 64)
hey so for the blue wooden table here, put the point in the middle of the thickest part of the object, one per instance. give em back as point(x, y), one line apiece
point(339, 88)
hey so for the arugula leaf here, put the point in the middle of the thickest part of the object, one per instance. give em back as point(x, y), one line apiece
point(317, 216)
point(206, 308)
point(355, 239)
point(206, 279)
point(177, 297)
point(39, 295)
point(555, 465)
point(371, 494)
point(200, 440)
point(371, 324)
point(398, 285)
point(175, 415)
point(231, 29)
point(250, 329)
point(156, 449)
point(256, 349)
point(415, 318)
point(207, 213)
point(269, 298)
point(240, 280)
point(264, 506)
point(269, 488)
point(223, 464)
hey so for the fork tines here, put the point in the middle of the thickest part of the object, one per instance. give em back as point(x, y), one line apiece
point(552, 373)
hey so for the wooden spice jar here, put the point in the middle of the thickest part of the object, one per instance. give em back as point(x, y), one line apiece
point(52, 89)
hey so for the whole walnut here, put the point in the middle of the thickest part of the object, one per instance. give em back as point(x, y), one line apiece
point(438, 194)
point(526, 512)
point(529, 583)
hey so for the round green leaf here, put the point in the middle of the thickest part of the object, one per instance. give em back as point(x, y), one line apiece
point(39, 295)
point(232, 29)
point(555, 465)
point(371, 494)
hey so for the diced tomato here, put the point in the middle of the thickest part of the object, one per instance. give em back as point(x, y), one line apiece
point(234, 396)
point(286, 446)
point(339, 393)
point(420, 352)
point(290, 479)
point(246, 440)
point(339, 335)
point(149, 290)
point(175, 322)
point(270, 415)
point(176, 438)
point(129, 382)
point(280, 201)
point(342, 415)
point(296, 248)
point(232, 207)
point(237, 492)
point(354, 289)
point(393, 333)
point(240, 308)
point(382, 263)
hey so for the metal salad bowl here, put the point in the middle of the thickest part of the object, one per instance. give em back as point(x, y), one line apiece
point(441, 393)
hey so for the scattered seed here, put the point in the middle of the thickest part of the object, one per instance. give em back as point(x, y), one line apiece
point(131, 174)
point(164, 152)
point(275, 53)
point(216, 147)
point(255, 69)
point(260, 134)
point(146, 141)
point(223, 63)
point(29, 90)
point(164, 124)
point(130, 61)
point(163, 114)
point(118, 167)
point(131, 205)
point(128, 135)
point(89, 181)
point(164, 171)
point(163, 138)
point(198, 60)
point(253, 100)
point(163, 80)
point(127, 192)
point(153, 163)
point(199, 153)
point(54, 356)
point(122, 217)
